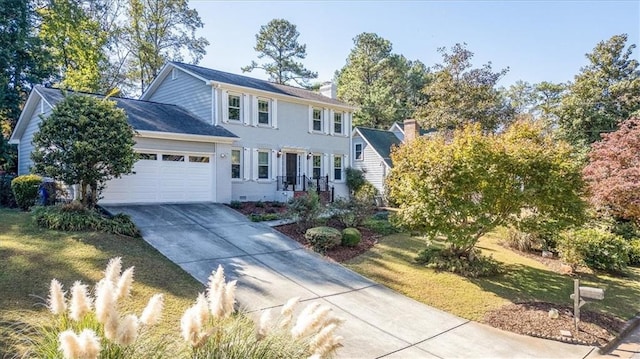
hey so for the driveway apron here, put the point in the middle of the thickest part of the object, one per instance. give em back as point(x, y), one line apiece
point(272, 268)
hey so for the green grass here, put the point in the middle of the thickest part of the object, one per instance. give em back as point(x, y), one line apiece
point(391, 263)
point(30, 257)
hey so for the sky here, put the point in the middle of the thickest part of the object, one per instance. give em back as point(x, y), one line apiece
point(537, 40)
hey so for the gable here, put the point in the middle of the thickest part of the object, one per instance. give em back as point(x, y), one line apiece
point(381, 142)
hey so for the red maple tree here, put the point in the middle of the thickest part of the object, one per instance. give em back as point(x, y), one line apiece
point(613, 172)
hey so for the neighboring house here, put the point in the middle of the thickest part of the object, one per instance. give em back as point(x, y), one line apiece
point(371, 149)
point(290, 137)
point(207, 135)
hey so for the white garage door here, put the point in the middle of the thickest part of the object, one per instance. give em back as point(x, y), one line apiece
point(164, 177)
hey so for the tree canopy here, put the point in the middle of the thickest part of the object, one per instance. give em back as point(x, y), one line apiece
point(462, 187)
point(459, 94)
point(85, 141)
point(613, 171)
point(604, 93)
point(278, 42)
point(385, 86)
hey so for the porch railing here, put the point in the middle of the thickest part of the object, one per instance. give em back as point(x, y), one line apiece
point(302, 183)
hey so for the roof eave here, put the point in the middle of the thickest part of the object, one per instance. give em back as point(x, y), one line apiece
point(186, 137)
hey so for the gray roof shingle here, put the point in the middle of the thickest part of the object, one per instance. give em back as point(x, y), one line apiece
point(245, 81)
point(381, 141)
point(151, 116)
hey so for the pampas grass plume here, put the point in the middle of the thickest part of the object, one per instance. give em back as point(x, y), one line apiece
point(124, 283)
point(229, 298)
point(127, 330)
point(287, 311)
point(90, 344)
point(105, 300)
point(312, 318)
point(203, 308)
point(69, 345)
point(56, 301)
point(114, 267)
point(153, 311)
point(80, 303)
point(111, 326)
point(263, 325)
point(191, 325)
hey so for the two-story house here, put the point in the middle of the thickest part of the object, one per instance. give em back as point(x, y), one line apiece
point(208, 135)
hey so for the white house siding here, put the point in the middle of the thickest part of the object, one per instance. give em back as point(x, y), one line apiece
point(186, 91)
point(374, 168)
point(26, 145)
point(291, 134)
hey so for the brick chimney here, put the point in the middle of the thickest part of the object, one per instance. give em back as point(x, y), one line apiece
point(411, 130)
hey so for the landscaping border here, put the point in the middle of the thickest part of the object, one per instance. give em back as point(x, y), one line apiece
point(628, 327)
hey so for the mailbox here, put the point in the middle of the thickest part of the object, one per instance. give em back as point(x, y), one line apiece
point(591, 293)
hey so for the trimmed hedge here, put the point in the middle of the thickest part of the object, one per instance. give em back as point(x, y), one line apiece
point(594, 248)
point(323, 238)
point(25, 190)
point(351, 237)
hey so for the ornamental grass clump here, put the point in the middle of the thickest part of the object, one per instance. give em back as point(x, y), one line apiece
point(212, 328)
point(86, 327)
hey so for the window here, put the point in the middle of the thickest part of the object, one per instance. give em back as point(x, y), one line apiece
point(317, 120)
point(199, 159)
point(236, 164)
point(263, 112)
point(337, 123)
point(234, 107)
point(337, 168)
point(358, 152)
point(317, 166)
point(263, 165)
point(173, 158)
point(148, 156)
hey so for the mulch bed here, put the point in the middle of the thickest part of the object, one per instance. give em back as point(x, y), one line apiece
point(532, 318)
point(340, 253)
point(248, 208)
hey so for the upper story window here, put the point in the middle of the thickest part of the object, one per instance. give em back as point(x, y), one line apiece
point(317, 166)
point(317, 120)
point(358, 155)
point(263, 165)
point(236, 164)
point(337, 123)
point(263, 112)
point(337, 168)
point(234, 107)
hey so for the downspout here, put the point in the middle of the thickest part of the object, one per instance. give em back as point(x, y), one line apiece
point(214, 102)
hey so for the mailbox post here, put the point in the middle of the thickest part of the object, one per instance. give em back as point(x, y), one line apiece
point(581, 296)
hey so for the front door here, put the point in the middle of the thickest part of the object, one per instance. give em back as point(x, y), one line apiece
point(291, 167)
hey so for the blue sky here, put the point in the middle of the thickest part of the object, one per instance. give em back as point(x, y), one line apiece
point(537, 40)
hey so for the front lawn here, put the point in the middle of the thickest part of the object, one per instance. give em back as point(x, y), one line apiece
point(391, 263)
point(30, 257)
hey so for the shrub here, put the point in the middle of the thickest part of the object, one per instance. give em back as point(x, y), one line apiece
point(594, 248)
point(351, 237)
point(323, 238)
point(381, 226)
point(525, 242)
point(367, 192)
point(634, 252)
point(256, 217)
point(354, 178)
point(352, 212)
point(625, 229)
point(75, 217)
point(260, 204)
point(7, 198)
point(25, 190)
point(305, 210)
point(442, 258)
point(235, 204)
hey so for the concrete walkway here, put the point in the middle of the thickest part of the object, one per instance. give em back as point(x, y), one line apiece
point(271, 268)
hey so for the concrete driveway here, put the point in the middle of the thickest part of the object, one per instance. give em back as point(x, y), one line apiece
point(271, 268)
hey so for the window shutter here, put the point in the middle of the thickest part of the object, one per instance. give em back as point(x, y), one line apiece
point(225, 106)
point(325, 164)
point(332, 164)
point(325, 121)
point(254, 110)
point(246, 110)
point(274, 113)
point(310, 119)
point(254, 153)
point(273, 165)
point(246, 163)
point(331, 123)
point(345, 162)
point(345, 124)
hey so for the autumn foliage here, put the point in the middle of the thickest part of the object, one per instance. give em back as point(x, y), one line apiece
point(613, 172)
